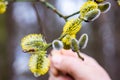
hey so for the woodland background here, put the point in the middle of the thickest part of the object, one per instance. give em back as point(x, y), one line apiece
point(22, 18)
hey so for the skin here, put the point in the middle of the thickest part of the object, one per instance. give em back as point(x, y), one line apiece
point(65, 65)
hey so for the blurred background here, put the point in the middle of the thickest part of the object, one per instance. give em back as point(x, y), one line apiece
point(23, 18)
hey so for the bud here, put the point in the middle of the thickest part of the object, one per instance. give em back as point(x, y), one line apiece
point(104, 7)
point(74, 45)
point(39, 64)
point(83, 41)
point(56, 44)
point(92, 15)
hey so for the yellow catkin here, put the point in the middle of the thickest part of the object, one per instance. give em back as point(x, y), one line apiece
point(2, 7)
point(33, 43)
point(118, 2)
point(39, 64)
point(71, 28)
point(86, 7)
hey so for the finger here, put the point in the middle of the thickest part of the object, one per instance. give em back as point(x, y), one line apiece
point(60, 77)
point(56, 52)
point(68, 53)
point(54, 71)
point(64, 52)
point(68, 64)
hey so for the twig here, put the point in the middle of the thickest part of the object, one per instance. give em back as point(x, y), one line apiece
point(50, 6)
point(50, 44)
point(78, 53)
point(72, 14)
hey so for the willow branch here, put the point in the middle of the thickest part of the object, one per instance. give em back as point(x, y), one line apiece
point(72, 14)
point(50, 6)
point(50, 44)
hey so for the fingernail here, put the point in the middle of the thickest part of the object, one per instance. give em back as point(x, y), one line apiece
point(56, 59)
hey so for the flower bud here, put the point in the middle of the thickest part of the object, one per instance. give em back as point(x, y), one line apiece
point(104, 7)
point(74, 45)
point(56, 44)
point(83, 41)
point(92, 15)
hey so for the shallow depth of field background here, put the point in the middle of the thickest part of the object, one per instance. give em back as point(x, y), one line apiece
point(23, 18)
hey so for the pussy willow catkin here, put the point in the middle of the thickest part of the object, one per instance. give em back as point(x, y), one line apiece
point(86, 7)
point(33, 43)
point(3, 6)
point(71, 28)
point(39, 64)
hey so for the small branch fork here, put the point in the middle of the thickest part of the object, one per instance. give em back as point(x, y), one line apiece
point(50, 6)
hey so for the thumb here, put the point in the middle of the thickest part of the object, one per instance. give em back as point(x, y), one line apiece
point(69, 65)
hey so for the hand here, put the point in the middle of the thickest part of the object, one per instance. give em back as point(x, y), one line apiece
point(65, 65)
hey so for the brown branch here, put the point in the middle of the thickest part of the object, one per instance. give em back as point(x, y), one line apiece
point(50, 6)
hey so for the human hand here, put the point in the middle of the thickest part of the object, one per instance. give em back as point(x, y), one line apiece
point(65, 65)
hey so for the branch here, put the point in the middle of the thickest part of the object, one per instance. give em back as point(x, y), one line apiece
point(72, 14)
point(50, 44)
point(50, 6)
